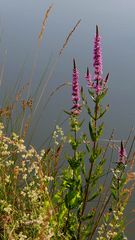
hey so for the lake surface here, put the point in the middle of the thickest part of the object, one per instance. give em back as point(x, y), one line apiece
point(20, 24)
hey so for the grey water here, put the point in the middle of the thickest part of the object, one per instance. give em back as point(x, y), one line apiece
point(20, 24)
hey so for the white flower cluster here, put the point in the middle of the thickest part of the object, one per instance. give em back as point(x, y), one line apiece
point(24, 183)
point(58, 135)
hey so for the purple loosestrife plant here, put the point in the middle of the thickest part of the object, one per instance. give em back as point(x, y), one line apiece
point(81, 210)
point(93, 188)
point(72, 176)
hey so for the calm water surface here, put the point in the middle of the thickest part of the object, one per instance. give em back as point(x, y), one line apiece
point(20, 24)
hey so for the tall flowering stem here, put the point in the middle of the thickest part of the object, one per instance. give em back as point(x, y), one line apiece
point(97, 88)
point(82, 179)
point(73, 196)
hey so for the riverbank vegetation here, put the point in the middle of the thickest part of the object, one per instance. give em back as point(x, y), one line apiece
point(86, 196)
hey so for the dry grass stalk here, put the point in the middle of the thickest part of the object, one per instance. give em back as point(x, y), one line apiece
point(7, 111)
point(132, 161)
point(40, 36)
point(27, 103)
point(56, 90)
point(131, 173)
point(68, 37)
point(26, 127)
point(24, 104)
point(20, 92)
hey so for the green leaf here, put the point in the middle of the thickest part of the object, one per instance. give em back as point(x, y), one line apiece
point(62, 213)
point(96, 194)
point(73, 142)
point(122, 182)
point(120, 236)
point(101, 96)
point(100, 131)
point(86, 104)
point(114, 193)
point(91, 94)
point(83, 96)
point(83, 168)
point(103, 112)
point(75, 160)
point(87, 230)
point(95, 153)
point(74, 163)
point(88, 148)
point(72, 199)
point(81, 123)
point(89, 111)
point(92, 133)
point(88, 216)
point(69, 113)
point(98, 172)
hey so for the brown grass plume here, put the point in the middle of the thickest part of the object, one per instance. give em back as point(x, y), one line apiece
point(40, 36)
point(68, 37)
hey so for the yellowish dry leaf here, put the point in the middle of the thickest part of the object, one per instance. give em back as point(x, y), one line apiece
point(130, 176)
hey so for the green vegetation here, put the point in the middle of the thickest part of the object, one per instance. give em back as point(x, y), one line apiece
point(86, 197)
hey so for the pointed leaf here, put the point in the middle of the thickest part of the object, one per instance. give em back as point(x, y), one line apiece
point(92, 133)
point(103, 112)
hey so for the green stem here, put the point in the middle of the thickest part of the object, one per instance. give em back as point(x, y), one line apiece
point(104, 183)
point(75, 137)
point(75, 151)
point(86, 192)
point(100, 215)
point(66, 224)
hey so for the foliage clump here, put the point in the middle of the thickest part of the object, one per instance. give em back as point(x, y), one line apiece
point(86, 197)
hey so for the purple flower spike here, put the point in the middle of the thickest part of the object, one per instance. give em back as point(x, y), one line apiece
point(88, 78)
point(98, 84)
point(122, 154)
point(75, 90)
point(97, 58)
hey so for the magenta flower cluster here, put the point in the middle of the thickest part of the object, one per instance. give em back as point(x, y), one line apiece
point(89, 79)
point(98, 84)
point(122, 154)
point(76, 108)
point(97, 56)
